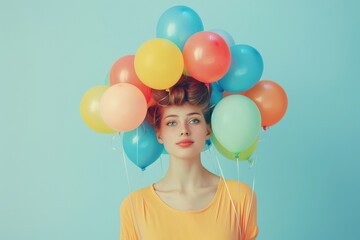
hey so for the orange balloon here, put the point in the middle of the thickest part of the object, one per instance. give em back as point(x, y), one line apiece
point(123, 71)
point(123, 107)
point(271, 100)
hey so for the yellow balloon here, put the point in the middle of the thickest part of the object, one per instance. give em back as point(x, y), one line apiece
point(245, 155)
point(90, 110)
point(159, 63)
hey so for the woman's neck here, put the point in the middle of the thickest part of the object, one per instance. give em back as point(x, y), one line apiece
point(186, 176)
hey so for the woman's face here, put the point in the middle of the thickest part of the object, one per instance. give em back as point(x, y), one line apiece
point(180, 123)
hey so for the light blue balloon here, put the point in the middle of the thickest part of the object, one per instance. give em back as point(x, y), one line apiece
point(225, 35)
point(149, 149)
point(177, 24)
point(245, 70)
point(236, 123)
point(216, 93)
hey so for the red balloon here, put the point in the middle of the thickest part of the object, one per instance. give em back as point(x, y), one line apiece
point(271, 100)
point(207, 56)
point(123, 71)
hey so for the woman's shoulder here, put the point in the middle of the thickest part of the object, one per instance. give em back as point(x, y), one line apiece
point(237, 188)
point(235, 183)
point(135, 196)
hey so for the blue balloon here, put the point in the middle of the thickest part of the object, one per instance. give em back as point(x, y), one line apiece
point(216, 93)
point(177, 24)
point(245, 70)
point(149, 149)
point(225, 35)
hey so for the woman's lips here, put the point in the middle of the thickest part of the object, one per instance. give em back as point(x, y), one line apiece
point(185, 144)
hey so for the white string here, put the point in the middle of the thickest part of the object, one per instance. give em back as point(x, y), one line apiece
point(127, 176)
point(238, 174)
point(112, 142)
point(237, 167)
point(232, 202)
point(253, 185)
point(252, 193)
point(212, 161)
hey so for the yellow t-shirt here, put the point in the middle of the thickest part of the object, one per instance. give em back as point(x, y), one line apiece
point(155, 220)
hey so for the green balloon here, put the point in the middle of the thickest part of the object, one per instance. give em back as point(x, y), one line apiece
point(107, 79)
point(245, 155)
point(236, 122)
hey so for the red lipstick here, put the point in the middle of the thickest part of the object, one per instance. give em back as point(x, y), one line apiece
point(185, 143)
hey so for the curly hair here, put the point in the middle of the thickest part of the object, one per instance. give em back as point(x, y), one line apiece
point(186, 90)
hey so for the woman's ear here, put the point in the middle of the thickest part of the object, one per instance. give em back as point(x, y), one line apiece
point(158, 136)
point(208, 131)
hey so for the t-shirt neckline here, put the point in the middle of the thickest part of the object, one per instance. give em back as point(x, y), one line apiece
point(216, 196)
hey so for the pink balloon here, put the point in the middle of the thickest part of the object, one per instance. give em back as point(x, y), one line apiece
point(123, 107)
point(123, 71)
point(207, 56)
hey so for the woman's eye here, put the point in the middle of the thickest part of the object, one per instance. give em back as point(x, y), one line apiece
point(170, 123)
point(196, 120)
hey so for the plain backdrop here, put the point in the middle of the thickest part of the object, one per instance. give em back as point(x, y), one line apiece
point(61, 180)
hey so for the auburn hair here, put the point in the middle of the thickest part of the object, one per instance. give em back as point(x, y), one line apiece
point(186, 90)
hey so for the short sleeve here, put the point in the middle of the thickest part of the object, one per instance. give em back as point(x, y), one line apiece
point(250, 207)
point(127, 223)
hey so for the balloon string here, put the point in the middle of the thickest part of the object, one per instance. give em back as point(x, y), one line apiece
point(237, 166)
point(252, 194)
point(253, 187)
point(128, 180)
point(232, 202)
point(112, 142)
point(212, 162)
point(137, 163)
point(266, 134)
point(137, 155)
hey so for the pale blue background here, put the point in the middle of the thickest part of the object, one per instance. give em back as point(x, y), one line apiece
point(60, 180)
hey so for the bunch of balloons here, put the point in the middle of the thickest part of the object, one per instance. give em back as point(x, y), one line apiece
point(243, 103)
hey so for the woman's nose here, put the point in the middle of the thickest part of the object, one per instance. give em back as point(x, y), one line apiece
point(184, 130)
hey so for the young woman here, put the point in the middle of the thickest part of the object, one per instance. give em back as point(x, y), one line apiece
point(189, 202)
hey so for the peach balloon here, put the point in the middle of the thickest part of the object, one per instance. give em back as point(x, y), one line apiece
point(123, 71)
point(271, 100)
point(123, 107)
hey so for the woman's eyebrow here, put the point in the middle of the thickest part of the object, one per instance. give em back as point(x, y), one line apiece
point(173, 115)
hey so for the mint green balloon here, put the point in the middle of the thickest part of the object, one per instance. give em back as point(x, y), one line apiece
point(236, 122)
